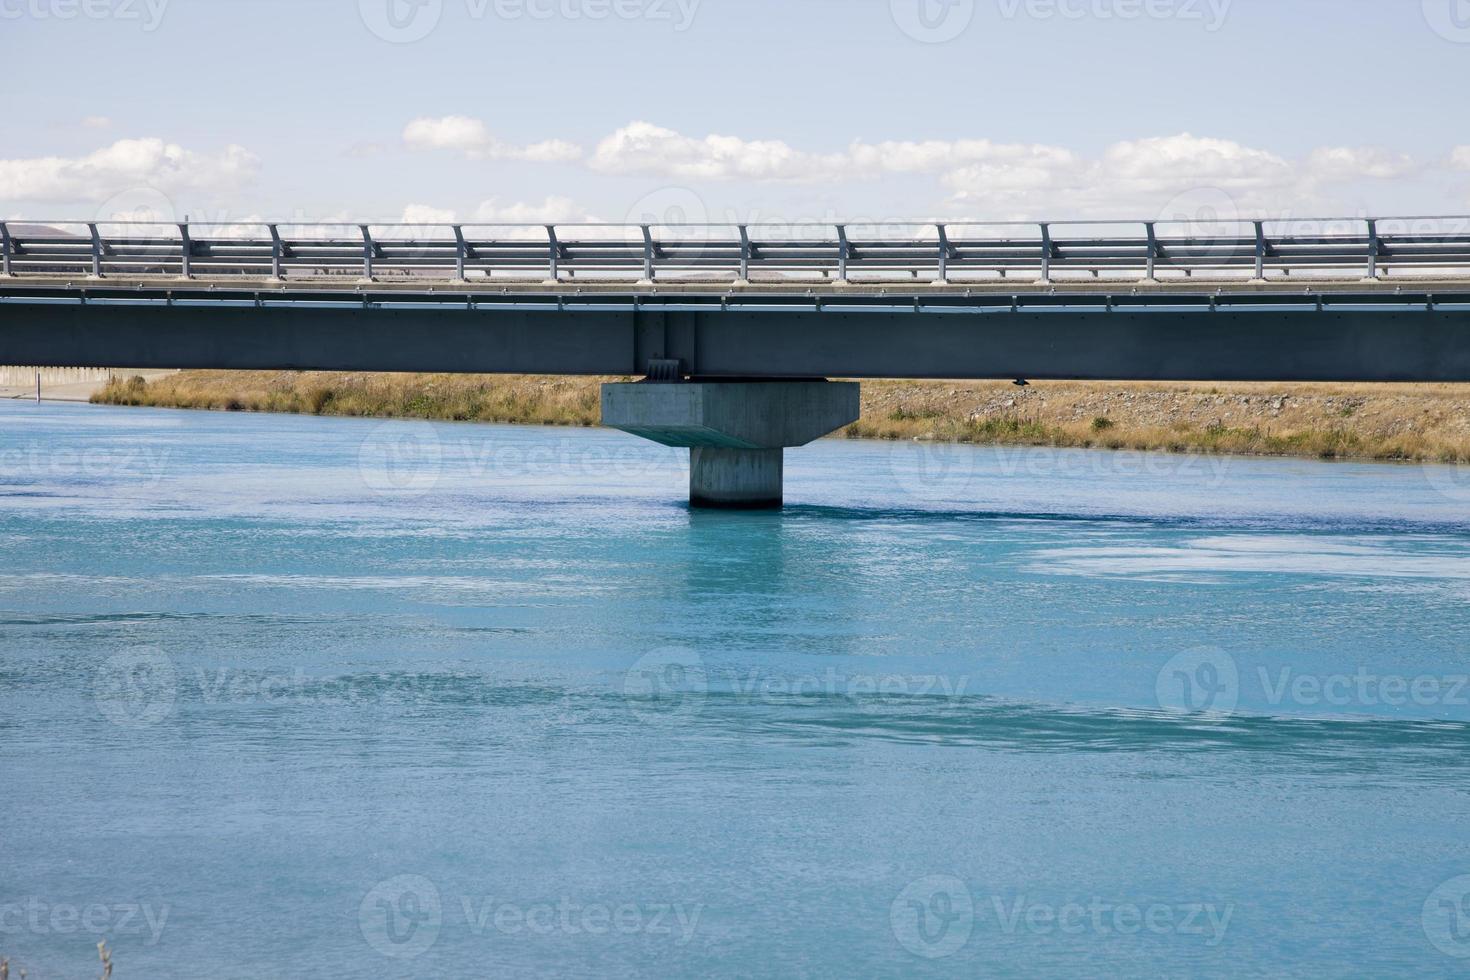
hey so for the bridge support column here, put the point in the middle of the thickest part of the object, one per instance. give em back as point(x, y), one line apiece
point(736, 431)
point(735, 479)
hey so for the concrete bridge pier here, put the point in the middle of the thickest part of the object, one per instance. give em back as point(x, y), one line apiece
point(736, 431)
point(735, 478)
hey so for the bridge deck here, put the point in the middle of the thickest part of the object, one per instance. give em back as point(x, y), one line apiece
point(1381, 300)
point(1408, 288)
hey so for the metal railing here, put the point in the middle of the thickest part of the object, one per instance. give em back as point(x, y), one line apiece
point(959, 252)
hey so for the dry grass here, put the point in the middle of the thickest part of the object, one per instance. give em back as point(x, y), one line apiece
point(1330, 421)
point(450, 397)
point(1334, 421)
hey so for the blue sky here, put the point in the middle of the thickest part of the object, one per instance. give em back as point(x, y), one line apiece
point(748, 110)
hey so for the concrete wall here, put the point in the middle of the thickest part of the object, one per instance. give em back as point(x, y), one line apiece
point(19, 376)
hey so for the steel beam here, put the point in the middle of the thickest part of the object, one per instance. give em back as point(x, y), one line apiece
point(1266, 343)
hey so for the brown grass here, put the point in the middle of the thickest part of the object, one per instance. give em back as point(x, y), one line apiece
point(1333, 421)
point(1406, 422)
point(449, 397)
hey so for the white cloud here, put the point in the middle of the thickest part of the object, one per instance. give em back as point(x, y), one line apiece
point(423, 214)
point(1016, 179)
point(447, 133)
point(364, 151)
point(553, 210)
point(1460, 158)
point(646, 149)
point(1355, 163)
point(473, 138)
point(1129, 178)
point(1168, 174)
point(643, 148)
point(96, 122)
point(125, 165)
point(942, 155)
point(1165, 160)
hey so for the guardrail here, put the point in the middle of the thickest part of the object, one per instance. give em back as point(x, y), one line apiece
point(959, 252)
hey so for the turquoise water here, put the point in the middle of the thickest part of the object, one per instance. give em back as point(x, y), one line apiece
point(314, 697)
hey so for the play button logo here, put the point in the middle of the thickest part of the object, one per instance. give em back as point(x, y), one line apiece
point(401, 21)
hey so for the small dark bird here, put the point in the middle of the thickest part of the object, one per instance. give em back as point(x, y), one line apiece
point(1021, 383)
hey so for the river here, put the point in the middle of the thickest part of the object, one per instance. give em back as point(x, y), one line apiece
point(288, 696)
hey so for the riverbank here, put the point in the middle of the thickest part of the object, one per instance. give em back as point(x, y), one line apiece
point(63, 384)
point(1414, 422)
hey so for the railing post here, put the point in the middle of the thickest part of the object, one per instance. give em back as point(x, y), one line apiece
point(745, 254)
point(647, 253)
point(367, 253)
point(1045, 252)
point(844, 250)
point(277, 249)
point(1260, 250)
point(943, 254)
point(459, 253)
point(553, 254)
point(1372, 249)
point(186, 250)
point(96, 252)
point(1153, 251)
point(5, 249)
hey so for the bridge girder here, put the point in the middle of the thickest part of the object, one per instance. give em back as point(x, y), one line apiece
point(1329, 337)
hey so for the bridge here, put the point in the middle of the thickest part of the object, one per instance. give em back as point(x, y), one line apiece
point(738, 325)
